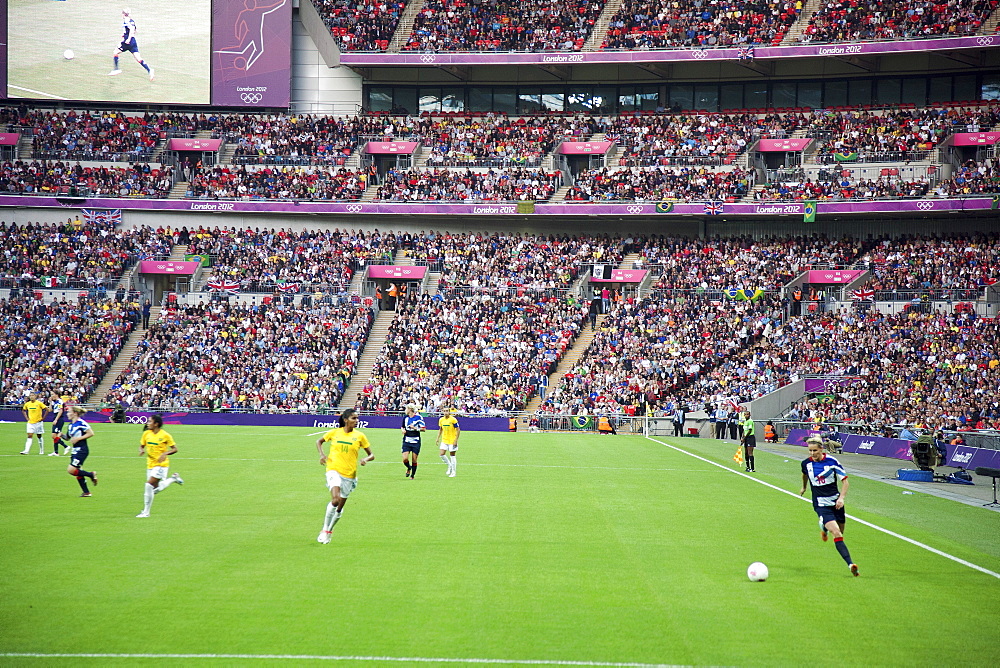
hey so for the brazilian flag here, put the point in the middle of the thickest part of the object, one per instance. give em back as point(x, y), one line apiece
point(581, 422)
point(809, 211)
point(526, 206)
point(664, 207)
point(749, 294)
point(732, 293)
point(205, 260)
point(519, 160)
point(845, 157)
point(996, 202)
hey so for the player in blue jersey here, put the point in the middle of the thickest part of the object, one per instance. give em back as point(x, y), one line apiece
point(79, 433)
point(129, 45)
point(821, 472)
point(58, 409)
point(412, 425)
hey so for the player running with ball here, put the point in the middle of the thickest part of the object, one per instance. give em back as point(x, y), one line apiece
point(821, 472)
point(129, 44)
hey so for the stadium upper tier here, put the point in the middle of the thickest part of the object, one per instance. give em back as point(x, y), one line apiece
point(843, 154)
point(569, 25)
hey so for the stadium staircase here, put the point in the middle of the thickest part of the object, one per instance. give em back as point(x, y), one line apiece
point(990, 24)
point(226, 153)
point(405, 26)
point(24, 146)
point(366, 362)
point(600, 30)
point(569, 360)
point(178, 252)
point(795, 32)
point(121, 360)
point(178, 190)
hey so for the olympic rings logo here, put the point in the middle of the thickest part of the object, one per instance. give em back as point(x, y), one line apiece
point(354, 208)
point(983, 41)
point(925, 206)
point(428, 58)
point(635, 208)
point(251, 98)
point(699, 55)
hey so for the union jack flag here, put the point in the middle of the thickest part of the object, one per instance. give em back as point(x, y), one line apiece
point(223, 286)
point(102, 217)
point(288, 287)
point(713, 208)
point(863, 294)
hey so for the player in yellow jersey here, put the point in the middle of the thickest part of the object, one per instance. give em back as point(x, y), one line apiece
point(341, 466)
point(34, 414)
point(157, 445)
point(448, 433)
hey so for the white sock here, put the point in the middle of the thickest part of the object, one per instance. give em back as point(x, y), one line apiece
point(453, 463)
point(330, 518)
point(27, 444)
point(445, 459)
point(336, 518)
point(147, 497)
point(163, 485)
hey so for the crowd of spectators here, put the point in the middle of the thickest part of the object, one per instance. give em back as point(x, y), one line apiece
point(485, 262)
point(646, 352)
point(495, 139)
point(296, 140)
point(853, 20)
point(494, 185)
point(660, 183)
point(844, 188)
point(952, 267)
point(476, 353)
point(60, 178)
point(74, 254)
point(361, 26)
point(281, 183)
point(694, 138)
point(657, 24)
point(60, 346)
point(892, 136)
point(268, 358)
point(711, 265)
point(481, 25)
point(262, 260)
point(972, 178)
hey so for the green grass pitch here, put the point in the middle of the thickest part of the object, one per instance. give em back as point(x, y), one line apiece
point(173, 37)
point(545, 548)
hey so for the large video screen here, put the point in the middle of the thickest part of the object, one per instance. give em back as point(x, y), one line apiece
point(200, 52)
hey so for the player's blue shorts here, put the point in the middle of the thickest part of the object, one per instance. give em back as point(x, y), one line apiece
point(57, 427)
point(411, 444)
point(131, 46)
point(79, 456)
point(831, 514)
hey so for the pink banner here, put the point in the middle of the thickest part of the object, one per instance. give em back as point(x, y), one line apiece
point(833, 275)
point(167, 267)
point(976, 138)
point(9, 138)
point(623, 276)
point(584, 147)
point(382, 147)
point(789, 144)
point(407, 273)
point(194, 144)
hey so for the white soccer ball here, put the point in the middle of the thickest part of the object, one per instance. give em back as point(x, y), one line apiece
point(757, 572)
point(68, 54)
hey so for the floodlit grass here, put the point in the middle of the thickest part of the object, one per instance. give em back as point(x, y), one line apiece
point(550, 547)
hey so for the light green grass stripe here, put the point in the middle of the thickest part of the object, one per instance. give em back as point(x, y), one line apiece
point(856, 519)
point(321, 657)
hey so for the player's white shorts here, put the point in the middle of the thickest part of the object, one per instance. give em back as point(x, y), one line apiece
point(158, 472)
point(35, 428)
point(450, 447)
point(346, 485)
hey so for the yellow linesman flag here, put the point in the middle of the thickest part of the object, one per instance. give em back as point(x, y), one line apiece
point(738, 457)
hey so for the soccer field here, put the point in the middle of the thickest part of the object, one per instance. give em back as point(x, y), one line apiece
point(173, 37)
point(546, 549)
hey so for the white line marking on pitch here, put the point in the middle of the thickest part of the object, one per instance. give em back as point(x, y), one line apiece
point(856, 519)
point(37, 92)
point(322, 657)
